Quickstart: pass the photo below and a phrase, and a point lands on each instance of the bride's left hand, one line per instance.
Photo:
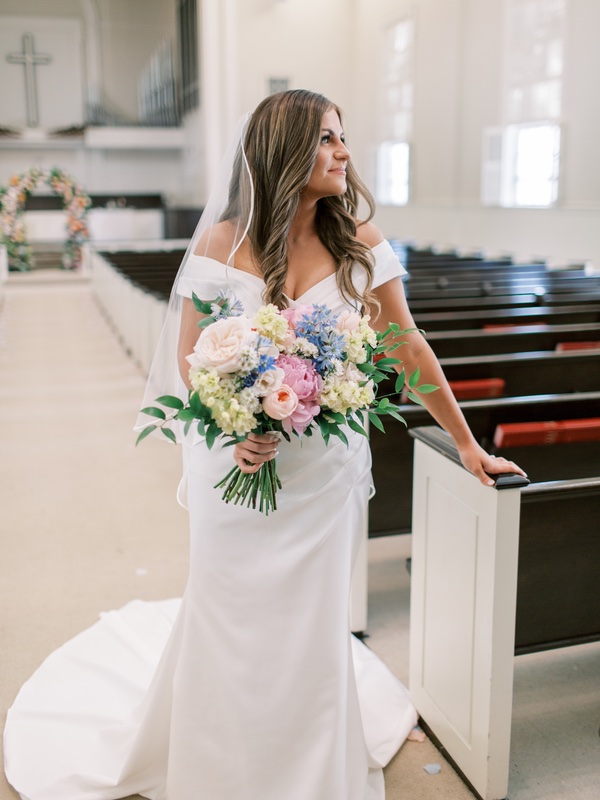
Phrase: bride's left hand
(476, 460)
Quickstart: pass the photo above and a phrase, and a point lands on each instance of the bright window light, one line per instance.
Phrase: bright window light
(393, 173)
(536, 164)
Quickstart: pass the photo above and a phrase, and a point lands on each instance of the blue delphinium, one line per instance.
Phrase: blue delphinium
(226, 305)
(318, 327)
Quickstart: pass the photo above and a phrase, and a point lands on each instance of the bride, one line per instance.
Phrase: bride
(259, 692)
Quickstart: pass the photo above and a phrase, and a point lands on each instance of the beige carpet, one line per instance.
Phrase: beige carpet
(88, 522)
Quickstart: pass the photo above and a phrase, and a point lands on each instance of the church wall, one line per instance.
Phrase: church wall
(458, 93)
(307, 41)
(124, 37)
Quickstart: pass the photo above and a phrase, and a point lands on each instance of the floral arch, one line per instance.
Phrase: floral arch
(12, 205)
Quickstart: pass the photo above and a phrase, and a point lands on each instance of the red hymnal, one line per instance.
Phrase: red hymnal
(477, 388)
(523, 434)
(562, 346)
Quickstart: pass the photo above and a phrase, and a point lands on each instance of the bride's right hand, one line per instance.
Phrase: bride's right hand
(252, 453)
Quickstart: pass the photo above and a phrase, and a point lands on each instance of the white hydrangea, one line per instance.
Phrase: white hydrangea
(343, 392)
(232, 417)
(355, 346)
(368, 334)
(269, 322)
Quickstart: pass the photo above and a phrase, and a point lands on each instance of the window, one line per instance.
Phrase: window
(535, 42)
(521, 160)
(535, 151)
(393, 173)
(521, 165)
(396, 117)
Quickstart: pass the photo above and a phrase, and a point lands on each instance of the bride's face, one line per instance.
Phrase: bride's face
(329, 172)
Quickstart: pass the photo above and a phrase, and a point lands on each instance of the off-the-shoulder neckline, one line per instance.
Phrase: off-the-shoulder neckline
(260, 280)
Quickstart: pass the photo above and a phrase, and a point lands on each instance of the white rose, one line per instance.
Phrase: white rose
(347, 321)
(220, 346)
(269, 381)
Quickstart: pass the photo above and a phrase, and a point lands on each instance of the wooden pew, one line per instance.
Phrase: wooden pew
(390, 510)
(494, 573)
(559, 547)
(478, 318)
(446, 344)
(535, 372)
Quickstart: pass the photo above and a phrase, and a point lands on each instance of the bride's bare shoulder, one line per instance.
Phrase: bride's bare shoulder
(368, 233)
(217, 241)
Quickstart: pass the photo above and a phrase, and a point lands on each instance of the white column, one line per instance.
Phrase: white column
(218, 81)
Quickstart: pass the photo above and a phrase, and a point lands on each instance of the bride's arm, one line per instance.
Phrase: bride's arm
(188, 336)
(441, 404)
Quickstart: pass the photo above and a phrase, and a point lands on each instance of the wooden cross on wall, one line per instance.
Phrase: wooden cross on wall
(30, 59)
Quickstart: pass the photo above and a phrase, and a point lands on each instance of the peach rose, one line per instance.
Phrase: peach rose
(220, 345)
(280, 404)
(347, 321)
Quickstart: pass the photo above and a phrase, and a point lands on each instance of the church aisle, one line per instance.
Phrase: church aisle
(88, 522)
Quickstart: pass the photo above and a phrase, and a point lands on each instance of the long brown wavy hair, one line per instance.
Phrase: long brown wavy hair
(281, 145)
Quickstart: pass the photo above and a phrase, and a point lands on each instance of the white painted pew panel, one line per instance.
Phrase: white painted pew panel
(463, 601)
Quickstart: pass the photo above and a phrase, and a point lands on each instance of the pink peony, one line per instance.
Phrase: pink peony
(293, 315)
(281, 403)
(303, 378)
(301, 417)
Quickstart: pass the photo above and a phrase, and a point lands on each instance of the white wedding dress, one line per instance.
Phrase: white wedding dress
(251, 687)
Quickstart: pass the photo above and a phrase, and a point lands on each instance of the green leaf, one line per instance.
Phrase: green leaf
(146, 432)
(196, 404)
(415, 398)
(201, 428)
(204, 323)
(366, 368)
(187, 426)
(414, 378)
(203, 306)
(186, 415)
(386, 362)
(383, 404)
(399, 385)
(341, 435)
(376, 421)
(427, 388)
(335, 416)
(397, 416)
(211, 433)
(169, 401)
(169, 434)
(154, 412)
(354, 425)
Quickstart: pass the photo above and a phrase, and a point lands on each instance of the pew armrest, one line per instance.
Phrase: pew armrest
(442, 442)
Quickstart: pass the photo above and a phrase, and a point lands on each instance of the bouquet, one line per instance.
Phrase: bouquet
(293, 371)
